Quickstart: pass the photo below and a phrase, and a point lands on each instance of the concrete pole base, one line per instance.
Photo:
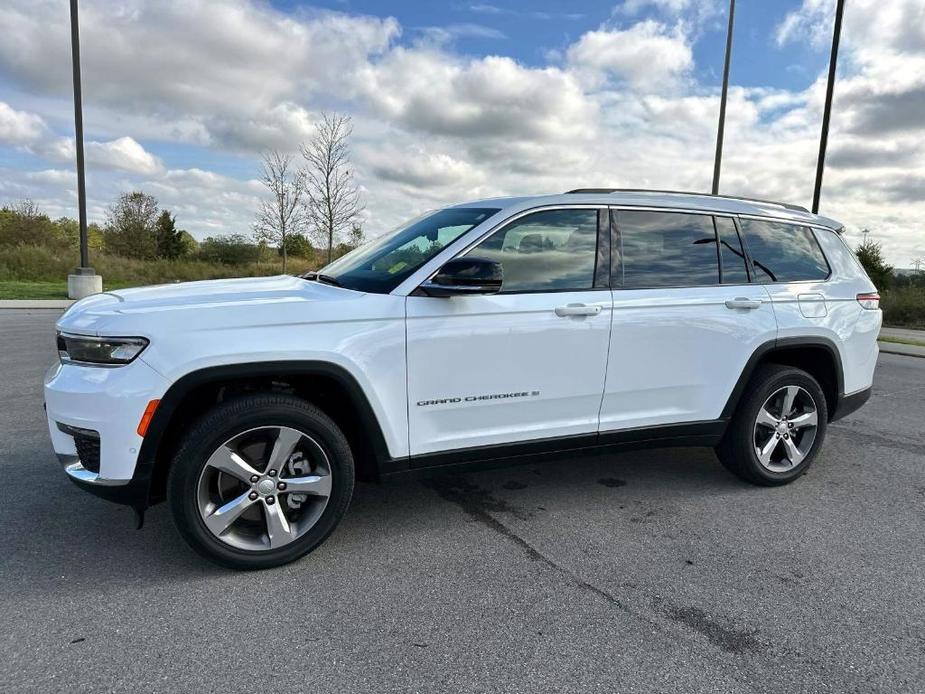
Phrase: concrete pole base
(83, 282)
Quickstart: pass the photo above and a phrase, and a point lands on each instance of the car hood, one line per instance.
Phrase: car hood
(148, 306)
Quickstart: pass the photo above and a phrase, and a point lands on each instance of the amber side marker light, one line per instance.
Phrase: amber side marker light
(147, 416)
(869, 301)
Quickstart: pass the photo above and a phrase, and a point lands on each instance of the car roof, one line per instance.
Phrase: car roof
(675, 200)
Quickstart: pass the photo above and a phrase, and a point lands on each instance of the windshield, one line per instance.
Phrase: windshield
(382, 264)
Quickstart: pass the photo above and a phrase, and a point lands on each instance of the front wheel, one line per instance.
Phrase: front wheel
(260, 481)
(777, 429)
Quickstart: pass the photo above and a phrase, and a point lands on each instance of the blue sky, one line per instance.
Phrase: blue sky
(459, 100)
(529, 31)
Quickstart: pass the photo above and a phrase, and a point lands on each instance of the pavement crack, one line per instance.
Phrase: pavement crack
(477, 503)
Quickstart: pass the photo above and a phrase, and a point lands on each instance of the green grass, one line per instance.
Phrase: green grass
(16, 289)
(901, 340)
(19, 289)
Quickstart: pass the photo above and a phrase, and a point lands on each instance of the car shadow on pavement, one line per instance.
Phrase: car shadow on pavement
(63, 536)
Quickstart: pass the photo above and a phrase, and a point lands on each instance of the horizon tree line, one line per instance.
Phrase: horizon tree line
(320, 198)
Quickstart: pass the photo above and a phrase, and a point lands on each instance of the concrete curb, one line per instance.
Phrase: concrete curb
(902, 350)
(35, 303)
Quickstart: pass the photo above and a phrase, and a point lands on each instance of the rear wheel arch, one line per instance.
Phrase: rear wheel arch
(328, 386)
(818, 356)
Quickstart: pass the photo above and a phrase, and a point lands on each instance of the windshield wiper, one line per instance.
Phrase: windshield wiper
(324, 279)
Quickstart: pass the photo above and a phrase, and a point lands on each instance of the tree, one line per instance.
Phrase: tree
(332, 197)
(190, 245)
(870, 254)
(283, 213)
(130, 226)
(356, 237)
(26, 208)
(168, 239)
(297, 245)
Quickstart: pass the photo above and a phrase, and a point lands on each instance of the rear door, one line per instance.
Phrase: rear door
(686, 318)
(527, 363)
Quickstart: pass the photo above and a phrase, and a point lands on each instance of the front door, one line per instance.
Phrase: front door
(527, 363)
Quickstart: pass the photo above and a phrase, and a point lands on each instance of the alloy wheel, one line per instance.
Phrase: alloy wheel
(264, 488)
(785, 429)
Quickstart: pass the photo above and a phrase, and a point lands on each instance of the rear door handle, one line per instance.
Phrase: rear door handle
(577, 310)
(743, 302)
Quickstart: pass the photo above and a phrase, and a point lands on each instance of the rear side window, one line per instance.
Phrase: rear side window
(732, 258)
(783, 252)
(667, 249)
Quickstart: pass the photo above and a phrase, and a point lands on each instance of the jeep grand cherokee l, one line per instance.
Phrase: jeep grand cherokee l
(487, 330)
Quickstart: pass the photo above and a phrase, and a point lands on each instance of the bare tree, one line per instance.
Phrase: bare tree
(332, 199)
(26, 207)
(283, 214)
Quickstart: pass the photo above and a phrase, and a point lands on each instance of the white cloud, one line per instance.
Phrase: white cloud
(19, 127)
(123, 154)
(648, 55)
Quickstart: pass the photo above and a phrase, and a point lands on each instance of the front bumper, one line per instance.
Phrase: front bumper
(109, 401)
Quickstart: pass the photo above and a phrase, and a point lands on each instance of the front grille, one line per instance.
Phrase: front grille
(87, 443)
(88, 450)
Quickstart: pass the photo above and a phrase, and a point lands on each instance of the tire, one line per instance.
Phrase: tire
(223, 470)
(787, 435)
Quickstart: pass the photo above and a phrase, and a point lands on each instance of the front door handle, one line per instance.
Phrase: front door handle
(743, 302)
(577, 310)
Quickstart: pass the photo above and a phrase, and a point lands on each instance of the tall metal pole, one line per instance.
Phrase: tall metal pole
(79, 138)
(717, 162)
(827, 113)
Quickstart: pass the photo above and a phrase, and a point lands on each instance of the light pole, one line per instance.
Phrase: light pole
(717, 162)
(84, 281)
(827, 113)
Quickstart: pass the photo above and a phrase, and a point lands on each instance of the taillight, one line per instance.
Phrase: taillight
(870, 301)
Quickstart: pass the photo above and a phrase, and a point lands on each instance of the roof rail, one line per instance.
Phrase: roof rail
(599, 191)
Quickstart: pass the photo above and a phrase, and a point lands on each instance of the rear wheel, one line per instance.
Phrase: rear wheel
(778, 428)
(260, 481)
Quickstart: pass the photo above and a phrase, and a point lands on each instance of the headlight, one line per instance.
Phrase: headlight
(104, 351)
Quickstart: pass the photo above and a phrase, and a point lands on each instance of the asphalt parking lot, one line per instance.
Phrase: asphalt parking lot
(644, 571)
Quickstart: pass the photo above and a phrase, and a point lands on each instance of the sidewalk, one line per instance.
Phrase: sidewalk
(898, 348)
(35, 303)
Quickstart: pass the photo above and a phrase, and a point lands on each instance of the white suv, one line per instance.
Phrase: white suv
(490, 330)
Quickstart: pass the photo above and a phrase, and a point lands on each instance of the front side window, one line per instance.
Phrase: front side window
(385, 262)
(783, 252)
(553, 250)
(667, 249)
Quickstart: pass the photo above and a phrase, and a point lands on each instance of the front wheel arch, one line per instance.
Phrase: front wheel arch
(329, 386)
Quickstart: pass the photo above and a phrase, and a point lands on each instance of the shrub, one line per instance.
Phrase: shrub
(904, 306)
(228, 250)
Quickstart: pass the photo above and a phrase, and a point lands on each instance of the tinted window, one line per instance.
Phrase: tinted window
(382, 264)
(667, 249)
(783, 252)
(732, 259)
(545, 251)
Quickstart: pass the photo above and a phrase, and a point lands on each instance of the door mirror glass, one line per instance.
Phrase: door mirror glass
(465, 276)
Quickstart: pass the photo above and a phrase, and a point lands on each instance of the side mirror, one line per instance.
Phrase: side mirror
(466, 275)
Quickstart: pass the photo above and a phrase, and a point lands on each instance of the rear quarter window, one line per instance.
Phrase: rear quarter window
(842, 259)
(782, 252)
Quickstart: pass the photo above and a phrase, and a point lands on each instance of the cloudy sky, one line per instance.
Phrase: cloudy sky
(456, 100)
